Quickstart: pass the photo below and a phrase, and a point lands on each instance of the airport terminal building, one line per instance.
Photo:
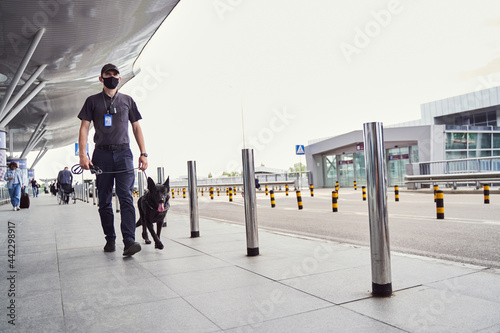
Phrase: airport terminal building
(465, 126)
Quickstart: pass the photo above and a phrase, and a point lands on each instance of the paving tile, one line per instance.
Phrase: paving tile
(331, 319)
(483, 284)
(182, 265)
(211, 280)
(425, 309)
(238, 307)
(340, 286)
(173, 315)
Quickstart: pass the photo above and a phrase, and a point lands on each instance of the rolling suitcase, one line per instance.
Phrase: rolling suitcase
(25, 201)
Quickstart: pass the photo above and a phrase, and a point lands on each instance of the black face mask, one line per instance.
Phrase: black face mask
(111, 82)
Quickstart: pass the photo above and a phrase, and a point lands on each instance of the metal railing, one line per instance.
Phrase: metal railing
(296, 178)
(4, 195)
(460, 166)
(467, 170)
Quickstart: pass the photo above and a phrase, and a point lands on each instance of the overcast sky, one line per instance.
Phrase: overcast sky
(297, 71)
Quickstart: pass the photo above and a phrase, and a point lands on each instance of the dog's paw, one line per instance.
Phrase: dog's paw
(159, 246)
(147, 241)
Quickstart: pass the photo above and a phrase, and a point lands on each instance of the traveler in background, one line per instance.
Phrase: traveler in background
(64, 181)
(15, 182)
(34, 186)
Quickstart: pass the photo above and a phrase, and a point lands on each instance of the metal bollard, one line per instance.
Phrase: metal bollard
(376, 180)
(436, 188)
(178, 191)
(335, 197)
(93, 191)
(227, 191)
(161, 175)
(286, 190)
(396, 193)
(230, 194)
(252, 231)
(184, 193)
(486, 194)
(267, 192)
(234, 191)
(337, 186)
(218, 191)
(311, 187)
(299, 199)
(211, 193)
(117, 203)
(173, 194)
(273, 201)
(355, 186)
(193, 200)
(440, 205)
(202, 191)
(363, 188)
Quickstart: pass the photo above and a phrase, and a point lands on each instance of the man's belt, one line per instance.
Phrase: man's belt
(114, 147)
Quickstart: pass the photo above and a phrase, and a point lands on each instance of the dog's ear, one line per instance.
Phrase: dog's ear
(167, 183)
(151, 185)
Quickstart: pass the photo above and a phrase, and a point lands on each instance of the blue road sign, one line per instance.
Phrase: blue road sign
(300, 150)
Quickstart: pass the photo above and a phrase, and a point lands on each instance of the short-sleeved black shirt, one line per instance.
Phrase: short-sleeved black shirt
(96, 107)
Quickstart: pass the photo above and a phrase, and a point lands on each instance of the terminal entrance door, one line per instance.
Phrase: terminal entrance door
(330, 164)
(346, 170)
(397, 160)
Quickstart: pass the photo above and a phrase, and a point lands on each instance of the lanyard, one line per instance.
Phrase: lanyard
(110, 105)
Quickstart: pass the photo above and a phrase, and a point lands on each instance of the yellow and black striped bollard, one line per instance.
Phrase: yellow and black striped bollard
(436, 188)
(299, 199)
(227, 191)
(211, 193)
(440, 205)
(335, 197)
(267, 192)
(337, 187)
(218, 191)
(234, 190)
(184, 193)
(173, 194)
(311, 187)
(230, 194)
(202, 191)
(363, 188)
(355, 186)
(486, 194)
(396, 193)
(286, 190)
(273, 201)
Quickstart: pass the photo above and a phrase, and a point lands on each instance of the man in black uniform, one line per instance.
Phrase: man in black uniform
(111, 112)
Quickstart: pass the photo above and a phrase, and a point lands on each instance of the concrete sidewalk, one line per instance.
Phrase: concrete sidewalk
(62, 281)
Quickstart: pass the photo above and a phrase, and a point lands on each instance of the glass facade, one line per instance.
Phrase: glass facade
(347, 168)
(472, 141)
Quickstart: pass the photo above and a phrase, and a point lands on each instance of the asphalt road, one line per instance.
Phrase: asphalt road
(470, 232)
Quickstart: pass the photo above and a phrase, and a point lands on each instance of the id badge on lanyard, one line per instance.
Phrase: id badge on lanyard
(108, 120)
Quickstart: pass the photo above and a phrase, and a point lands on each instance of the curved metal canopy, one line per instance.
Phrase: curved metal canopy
(51, 53)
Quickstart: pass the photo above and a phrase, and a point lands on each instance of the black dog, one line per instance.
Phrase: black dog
(153, 207)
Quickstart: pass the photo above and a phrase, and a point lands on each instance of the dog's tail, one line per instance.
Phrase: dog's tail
(139, 222)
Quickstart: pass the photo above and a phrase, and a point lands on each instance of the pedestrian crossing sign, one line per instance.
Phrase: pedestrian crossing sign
(300, 150)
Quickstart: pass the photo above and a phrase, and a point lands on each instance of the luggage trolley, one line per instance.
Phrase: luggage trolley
(65, 192)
